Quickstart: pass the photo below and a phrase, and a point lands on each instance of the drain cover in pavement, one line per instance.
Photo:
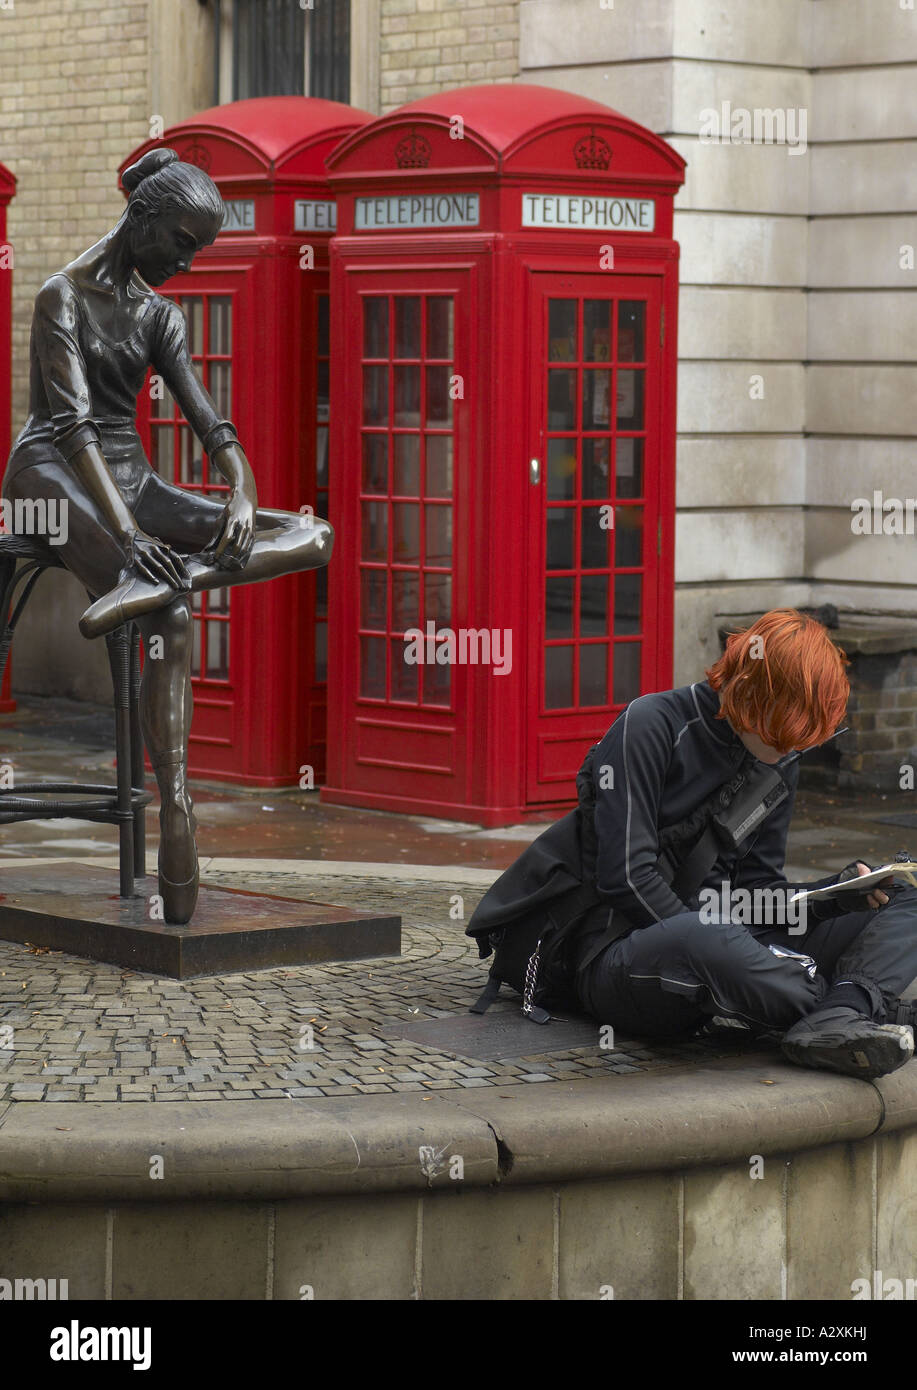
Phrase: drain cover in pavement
(495, 1035)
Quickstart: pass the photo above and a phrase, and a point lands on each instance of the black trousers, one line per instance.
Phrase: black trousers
(668, 978)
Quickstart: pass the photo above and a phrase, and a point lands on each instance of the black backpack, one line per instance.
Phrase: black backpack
(545, 920)
(545, 910)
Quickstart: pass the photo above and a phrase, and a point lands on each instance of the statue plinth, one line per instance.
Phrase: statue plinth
(77, 908)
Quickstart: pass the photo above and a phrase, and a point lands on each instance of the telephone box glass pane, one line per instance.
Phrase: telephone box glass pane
(221, 325)
(593, 674)
(439, 465)
(628, 536)
(630, 400)
(558, 606)
(437, 597)
(375, 327)
(321, 592)
(628, 590)
(162, 406)
(193, 307)
(407, 396)
(191, 463)
(629, 467)
(323, 336)
(321, 457)
(221, 387)
(626, 663)
(407, 326)
(560, 538)
(321, 391)
(372, 668)
(162, 451)
(375, 395)
(596, 397)
(593, 608)
(561, 468)
(375, 531)
(631, 330)
(439, 534)
(597, 330)
(405, 599)
(439, 404)
(404, 674)
(372, 598)
(406, 481)
(562, 330)
(561, 400)
(406, 532)
(375, 463)
(594, 538)
(218, 651)
(596, 474)
(558, 677)
(437, 684)
(439, 327)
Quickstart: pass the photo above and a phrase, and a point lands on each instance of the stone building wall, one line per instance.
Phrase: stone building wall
(791, 284)
(79, 85)
(794, 273)
(431, 45)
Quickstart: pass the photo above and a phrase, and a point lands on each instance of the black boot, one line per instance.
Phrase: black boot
(840, 1039)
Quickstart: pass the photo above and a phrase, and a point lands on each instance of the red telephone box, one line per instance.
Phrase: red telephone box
(256, 302)
(7, 190)
(504, 283)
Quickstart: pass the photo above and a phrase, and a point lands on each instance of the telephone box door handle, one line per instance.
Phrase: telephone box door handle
(535, 471)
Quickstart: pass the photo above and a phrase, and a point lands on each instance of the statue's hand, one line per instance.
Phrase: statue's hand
(231, 546)
(154, 560)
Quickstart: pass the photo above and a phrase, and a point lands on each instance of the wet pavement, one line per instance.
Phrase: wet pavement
(74, 1029)
(66, 740)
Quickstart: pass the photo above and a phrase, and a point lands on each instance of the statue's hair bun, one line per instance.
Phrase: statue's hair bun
(150, 163)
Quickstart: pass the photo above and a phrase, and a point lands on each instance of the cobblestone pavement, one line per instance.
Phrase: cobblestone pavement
(81, 1030)
(71, 1028)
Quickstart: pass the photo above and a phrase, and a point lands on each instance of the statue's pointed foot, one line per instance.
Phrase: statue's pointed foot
(131, 598)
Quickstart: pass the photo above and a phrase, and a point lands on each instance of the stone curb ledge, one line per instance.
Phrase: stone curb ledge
(549, 1132)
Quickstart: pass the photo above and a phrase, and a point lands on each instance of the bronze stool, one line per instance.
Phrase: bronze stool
(122, 805)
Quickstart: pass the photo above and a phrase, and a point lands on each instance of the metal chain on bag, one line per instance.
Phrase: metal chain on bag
(531, 978)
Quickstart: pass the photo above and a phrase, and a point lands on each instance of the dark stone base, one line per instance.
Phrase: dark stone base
(502, 1033)
(77, 908)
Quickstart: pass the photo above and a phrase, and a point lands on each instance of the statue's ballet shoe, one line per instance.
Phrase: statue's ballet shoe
(132, 598)
(176, 848)
(178, 899)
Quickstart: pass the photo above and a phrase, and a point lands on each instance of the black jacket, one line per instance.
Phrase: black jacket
(664, 755)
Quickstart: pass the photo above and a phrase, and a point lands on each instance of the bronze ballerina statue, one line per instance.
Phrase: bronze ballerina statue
(132, 538)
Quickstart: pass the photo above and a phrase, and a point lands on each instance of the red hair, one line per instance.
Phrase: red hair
(782, 679)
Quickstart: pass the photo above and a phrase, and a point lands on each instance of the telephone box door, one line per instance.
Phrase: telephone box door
(396, 520)
(214, 303)
(596, 495)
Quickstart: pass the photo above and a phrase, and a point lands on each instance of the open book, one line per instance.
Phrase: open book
(906, 869)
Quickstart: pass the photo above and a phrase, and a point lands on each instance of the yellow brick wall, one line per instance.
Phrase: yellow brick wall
(80, 81)
(76, 96)
(432, 45)
(74, 100)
